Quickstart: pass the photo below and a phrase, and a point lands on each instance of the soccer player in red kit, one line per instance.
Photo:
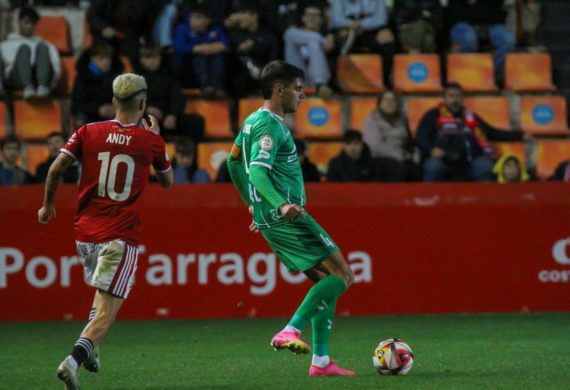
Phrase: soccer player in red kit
(116, 156)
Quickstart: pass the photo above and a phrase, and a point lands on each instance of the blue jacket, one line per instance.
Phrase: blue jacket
(185, 39)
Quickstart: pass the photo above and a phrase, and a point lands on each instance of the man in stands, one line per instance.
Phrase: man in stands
(454, 141)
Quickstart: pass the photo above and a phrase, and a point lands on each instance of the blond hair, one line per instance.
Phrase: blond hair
(128, 85)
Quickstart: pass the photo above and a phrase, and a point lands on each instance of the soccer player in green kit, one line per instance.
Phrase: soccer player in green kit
(264, 167)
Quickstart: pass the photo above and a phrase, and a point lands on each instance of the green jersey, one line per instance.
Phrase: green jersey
(265, 141)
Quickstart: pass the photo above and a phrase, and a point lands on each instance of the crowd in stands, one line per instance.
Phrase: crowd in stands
(217, 50)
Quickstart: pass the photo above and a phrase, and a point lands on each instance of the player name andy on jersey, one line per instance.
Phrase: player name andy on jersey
(116, 138)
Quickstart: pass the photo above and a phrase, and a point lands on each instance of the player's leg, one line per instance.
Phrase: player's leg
(322, 323)
(107, 309)
(93, 363)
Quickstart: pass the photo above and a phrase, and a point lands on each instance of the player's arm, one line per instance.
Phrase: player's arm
(259, 178)
(55, 173)
(236, 169)
(165, 179)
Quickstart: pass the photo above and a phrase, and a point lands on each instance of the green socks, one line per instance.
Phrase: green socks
(322, 328)
(320, 301)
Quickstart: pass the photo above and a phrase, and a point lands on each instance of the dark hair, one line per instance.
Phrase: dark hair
(311, 4)
(396, 95)
(278, 71)
(351, 135)
(10, 139)
(250, 6)
(184, 145)
(29, 13)
(202, 8)
(56, 134)
(301, 146)
(452, 85)
(101, 49)
(149, 51)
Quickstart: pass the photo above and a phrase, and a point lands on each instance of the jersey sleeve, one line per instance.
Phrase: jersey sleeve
(161, 160)
(74, 146)
(265, 142)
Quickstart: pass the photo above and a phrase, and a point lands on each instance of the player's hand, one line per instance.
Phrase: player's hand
(252, 226)
(437, 152)
(291, 211)
(45, 214)
(153, 127)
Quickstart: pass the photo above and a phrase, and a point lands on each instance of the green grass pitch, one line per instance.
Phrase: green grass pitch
(514, 351)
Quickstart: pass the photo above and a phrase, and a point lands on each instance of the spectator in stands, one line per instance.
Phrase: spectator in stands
(27, 61)
(254, 47)
(165, 99)
(92, 92)
(418, 24)
(10, 172)
(363, 24)
(509, 169)
(124, 24)
(201, 45)
(307, 48)
(476, 21)
(562, 172)
(354, 162)
(55, 142)
(185, 165)
(455, 141)
(310, 171)
(387, 135)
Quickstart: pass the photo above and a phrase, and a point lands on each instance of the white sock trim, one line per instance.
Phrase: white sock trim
(72, 362)
(290, 328)
(321, 361)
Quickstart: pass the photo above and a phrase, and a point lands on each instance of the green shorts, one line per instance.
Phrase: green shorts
(300, 244)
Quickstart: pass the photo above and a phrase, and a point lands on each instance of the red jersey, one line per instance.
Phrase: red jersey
(116, 161)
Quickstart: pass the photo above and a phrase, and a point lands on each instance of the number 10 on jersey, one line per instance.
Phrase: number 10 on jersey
(108, 175)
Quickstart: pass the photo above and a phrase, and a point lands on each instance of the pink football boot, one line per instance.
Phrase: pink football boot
(291, 341)
(331, 369)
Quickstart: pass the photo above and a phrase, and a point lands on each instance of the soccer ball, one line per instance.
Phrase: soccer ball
(393, 357)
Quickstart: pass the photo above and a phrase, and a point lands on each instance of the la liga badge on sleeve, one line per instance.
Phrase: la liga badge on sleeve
(266, 142)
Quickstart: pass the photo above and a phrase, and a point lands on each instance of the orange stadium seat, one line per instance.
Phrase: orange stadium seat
(216, 114)
(360, 73)
(318, 118)
(417, 73)
(87, 38)
(247, 106)
(360, 108)
(550, 153)
(416, 108)
(528, 72)
(516, 148)
(128, 67)
(211, 155)
(493, 109)
(473, 71)
(34, 120)
(3, 120)
(55, 30)
(68, 73)
(320, 153)
(544, 115)
(35, 154)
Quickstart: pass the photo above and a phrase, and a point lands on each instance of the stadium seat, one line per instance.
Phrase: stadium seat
(543, 115)
(55, 30)
(211, 155)
(320, 153)
(87, 38)
(493, 109)
(360, 108)
(35, 119)
(35, 154)
(473, 71)
(516, 148)
(3, 120)
(246, 106)
(528, 72)
(550, 153)
(68, 73)
(216, 114)
(417, 73)
(416, 108)
(360, 73)
(318, 118)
